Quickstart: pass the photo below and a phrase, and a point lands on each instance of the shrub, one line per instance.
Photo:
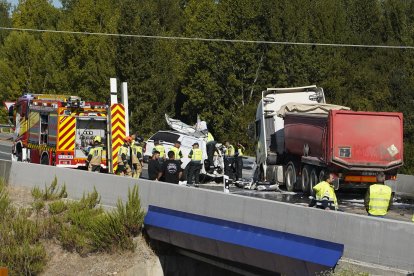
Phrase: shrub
(57, 207)
(50, 192)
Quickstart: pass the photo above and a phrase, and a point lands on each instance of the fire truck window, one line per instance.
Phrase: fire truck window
(44, 119)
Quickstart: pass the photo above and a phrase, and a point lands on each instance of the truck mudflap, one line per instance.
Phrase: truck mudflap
(267, 249)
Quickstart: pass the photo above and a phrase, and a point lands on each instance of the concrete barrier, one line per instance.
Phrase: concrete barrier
(404, 186)
(366, 239)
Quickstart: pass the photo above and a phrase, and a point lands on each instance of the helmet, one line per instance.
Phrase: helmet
(127, 139)
(97, 139)
(139, 139)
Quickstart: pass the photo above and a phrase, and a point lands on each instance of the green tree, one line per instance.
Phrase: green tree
(5, 20)
(151, 67)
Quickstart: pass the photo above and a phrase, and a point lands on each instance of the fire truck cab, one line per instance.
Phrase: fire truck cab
(58, 130)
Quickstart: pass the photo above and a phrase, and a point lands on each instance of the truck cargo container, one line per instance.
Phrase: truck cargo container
(316, 137)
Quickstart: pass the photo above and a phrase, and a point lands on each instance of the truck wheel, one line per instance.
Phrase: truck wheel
(305, 179)
(290, 177)
(44, 160)
(313, 180)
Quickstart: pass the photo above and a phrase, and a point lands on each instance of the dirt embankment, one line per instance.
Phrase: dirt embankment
(143, 261)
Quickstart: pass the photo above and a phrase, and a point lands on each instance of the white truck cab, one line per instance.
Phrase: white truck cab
(269, 127)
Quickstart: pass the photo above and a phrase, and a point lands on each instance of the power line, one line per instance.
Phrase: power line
(214, 39)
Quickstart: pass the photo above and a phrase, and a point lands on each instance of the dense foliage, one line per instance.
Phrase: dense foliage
(220, 81)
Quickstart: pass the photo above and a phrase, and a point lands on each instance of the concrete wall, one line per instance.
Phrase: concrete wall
(404, 186)
(366, 239)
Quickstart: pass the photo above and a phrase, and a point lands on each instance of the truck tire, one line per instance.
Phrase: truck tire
(290, 177)
(306, 179)
(44, 160)
(313, 180)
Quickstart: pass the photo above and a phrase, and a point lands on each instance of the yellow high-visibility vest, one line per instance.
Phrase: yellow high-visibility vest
(177, 152)
(230, 151)
(123, 150)
(161, 149)
(240, 152)
(325, 190)
(210, 137)
(96, 154)
(379, 199)
(196, 155)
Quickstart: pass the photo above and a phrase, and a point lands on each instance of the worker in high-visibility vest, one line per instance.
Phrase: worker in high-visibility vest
(124, 158)
(378, 198)
(325, 193)
(95, 155)
(176, 149)
(136, 157)
(195, 165)
(230, 151)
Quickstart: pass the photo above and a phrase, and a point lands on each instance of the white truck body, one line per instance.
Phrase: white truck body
(268, 123)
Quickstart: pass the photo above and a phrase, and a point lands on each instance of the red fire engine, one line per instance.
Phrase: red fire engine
(58, 130)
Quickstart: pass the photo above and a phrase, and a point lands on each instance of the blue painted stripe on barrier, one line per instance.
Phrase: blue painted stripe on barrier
(294, 246)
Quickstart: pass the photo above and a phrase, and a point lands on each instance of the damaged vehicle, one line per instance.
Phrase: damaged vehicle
(213, 162)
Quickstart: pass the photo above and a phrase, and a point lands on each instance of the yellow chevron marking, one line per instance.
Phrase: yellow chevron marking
(66, 145)
(69, 126)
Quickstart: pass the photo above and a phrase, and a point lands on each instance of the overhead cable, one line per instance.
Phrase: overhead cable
(212, 39)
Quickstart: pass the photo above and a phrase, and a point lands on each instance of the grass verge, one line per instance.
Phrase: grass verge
(82, 226)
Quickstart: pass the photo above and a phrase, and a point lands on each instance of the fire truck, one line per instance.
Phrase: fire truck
(58, 130)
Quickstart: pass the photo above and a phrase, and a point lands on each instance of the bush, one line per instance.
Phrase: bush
(57, 207)
(51, 192)
(82, 226)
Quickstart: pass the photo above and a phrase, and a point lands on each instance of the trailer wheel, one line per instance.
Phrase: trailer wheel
(290, 177)
(44, 160)
(305, 179)
(313, 180)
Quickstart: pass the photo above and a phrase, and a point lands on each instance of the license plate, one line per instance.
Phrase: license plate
(65, 156)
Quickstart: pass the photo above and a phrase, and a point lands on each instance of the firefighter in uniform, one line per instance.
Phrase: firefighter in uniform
(136, 157)
(325, 194)
(195, 165)
(124, 167)
(378, 198)
(177, 152)
(95, 155)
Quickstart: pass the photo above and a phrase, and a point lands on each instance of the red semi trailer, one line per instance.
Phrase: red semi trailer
(354, 145)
